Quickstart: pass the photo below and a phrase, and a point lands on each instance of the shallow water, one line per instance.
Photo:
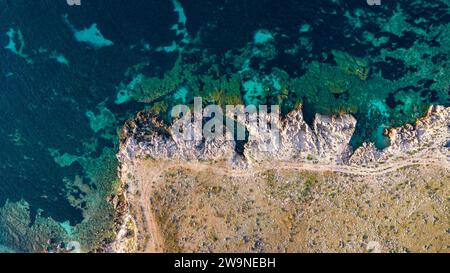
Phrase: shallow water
(63, 68)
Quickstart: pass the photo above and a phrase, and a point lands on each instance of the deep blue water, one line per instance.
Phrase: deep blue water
(44, 102)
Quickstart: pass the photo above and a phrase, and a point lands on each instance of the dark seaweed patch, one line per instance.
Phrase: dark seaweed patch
(344, 96)
(435, 12)
(439, 58)
(429, 95)
(393, 69)
(392, 102)
(426, 83)
(409, 88)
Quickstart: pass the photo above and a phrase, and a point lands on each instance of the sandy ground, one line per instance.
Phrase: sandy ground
(290, 207)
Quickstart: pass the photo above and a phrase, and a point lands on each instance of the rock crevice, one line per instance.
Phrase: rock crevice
(293, 140)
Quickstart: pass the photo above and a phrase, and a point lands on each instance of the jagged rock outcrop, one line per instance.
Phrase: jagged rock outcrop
(148, 137)
(294, 140)
(290, 143)
(290, 139)
(429, 136)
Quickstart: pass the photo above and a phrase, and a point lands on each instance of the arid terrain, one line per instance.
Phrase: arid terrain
(207, 207)
(181, 198)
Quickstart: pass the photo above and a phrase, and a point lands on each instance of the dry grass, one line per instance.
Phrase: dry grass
(204, 210)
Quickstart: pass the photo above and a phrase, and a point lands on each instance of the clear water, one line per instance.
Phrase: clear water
(71, 75)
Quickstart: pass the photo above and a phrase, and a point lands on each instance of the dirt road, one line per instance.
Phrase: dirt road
(154, 172)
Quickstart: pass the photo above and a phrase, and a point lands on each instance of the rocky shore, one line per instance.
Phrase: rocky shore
(326, 143)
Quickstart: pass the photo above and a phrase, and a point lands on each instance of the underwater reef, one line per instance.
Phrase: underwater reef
(73, 78)
(387, 74)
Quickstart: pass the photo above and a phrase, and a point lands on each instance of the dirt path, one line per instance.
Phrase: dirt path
(155, 242)
(382, 169)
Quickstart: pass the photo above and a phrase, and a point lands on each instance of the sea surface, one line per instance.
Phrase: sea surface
(70, 75)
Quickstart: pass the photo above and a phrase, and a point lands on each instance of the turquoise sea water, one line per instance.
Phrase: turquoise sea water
(71, 75)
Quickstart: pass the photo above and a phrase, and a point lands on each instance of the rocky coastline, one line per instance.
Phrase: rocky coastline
(326, 142)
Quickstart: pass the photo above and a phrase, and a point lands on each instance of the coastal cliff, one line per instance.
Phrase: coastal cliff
(328, 141)
(149, 150)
